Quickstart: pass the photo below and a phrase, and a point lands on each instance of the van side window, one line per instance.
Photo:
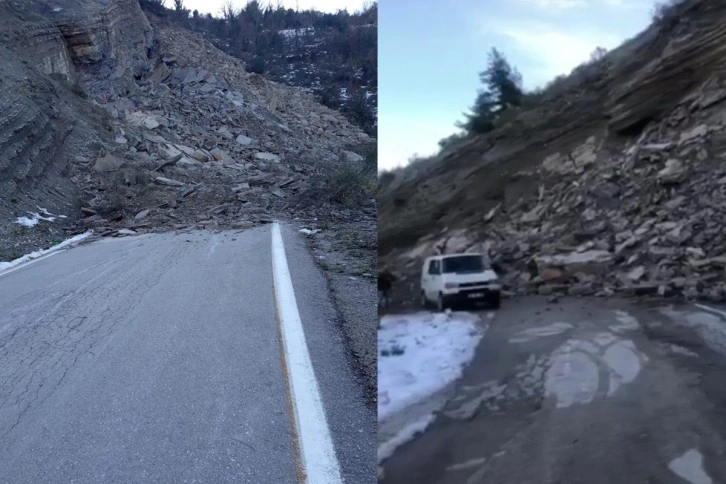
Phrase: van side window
(434, 267)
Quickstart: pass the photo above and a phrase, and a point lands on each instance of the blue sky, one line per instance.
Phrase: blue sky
(431, 51)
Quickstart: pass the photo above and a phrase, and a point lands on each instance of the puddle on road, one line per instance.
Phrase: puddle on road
(577, 366)
(624, 359)
(626, 322)
(578, 371)
(573, 377)
(689, 466)
(540, 332)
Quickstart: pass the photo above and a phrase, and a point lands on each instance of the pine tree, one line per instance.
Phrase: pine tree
(502, 91)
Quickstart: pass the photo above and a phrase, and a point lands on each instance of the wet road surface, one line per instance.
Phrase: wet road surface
(582, 391)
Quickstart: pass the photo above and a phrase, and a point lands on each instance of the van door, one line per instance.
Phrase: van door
(432, 279)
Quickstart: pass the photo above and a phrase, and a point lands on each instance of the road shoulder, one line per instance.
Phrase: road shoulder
(351, 421)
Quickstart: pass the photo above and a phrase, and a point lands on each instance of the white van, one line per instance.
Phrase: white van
(455, 279)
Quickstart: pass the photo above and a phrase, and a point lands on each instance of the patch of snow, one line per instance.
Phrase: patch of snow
(293, 32)
(407, 433)
(689, 466)
(419, 356)
(626, 322)
(573, 376)
(36, 217)
(682, 351)
(710, 325)
(309, 231)
(40, 253)
(26, 222)
(468, 464)
(344, 96)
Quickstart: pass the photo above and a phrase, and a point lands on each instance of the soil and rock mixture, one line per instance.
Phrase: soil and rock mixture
(344, 245)
(612, 182)
(123, 123)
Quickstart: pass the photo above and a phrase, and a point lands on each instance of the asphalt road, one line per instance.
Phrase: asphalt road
(157, 358)
(589, 391)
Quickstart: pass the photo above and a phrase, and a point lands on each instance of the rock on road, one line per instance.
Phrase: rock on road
(157, 358)
(589, 391)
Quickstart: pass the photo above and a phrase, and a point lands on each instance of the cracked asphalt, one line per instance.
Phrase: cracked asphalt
(589, 391)
(157, 359)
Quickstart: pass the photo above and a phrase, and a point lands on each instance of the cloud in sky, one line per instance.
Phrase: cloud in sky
(547, 38)
(551, 51)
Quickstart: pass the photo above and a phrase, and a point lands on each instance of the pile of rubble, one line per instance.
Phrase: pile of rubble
(613, 185)
(201, 143)
(168, 133)
(644, 219)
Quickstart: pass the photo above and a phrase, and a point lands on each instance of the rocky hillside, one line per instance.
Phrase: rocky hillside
(117, 122)
(611, 182)
(332, 56)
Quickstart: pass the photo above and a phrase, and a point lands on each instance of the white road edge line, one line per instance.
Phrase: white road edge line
(28, 262)
(316, 445)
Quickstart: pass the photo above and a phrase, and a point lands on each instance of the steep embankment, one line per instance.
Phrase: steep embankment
(110, 123)
(612, 181)
(46, 128)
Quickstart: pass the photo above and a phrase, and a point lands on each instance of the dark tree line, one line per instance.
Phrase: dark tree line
(273, 40)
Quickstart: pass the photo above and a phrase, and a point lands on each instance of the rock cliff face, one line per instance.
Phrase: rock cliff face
(112, 122)
(102, 36)
(45, 126)
(672, 61)
(611, 183)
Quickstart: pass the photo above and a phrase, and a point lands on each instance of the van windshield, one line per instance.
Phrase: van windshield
(464, 264)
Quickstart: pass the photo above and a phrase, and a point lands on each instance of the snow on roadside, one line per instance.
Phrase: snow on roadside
(35, 217)
(420, 355)
(40, 253)
(405, 434)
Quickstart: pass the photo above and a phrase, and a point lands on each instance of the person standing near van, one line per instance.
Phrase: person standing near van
(385, 281)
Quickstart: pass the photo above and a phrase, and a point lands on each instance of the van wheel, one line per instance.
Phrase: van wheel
(496, 300)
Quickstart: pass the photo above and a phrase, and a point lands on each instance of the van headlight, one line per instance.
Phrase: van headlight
(450, 285)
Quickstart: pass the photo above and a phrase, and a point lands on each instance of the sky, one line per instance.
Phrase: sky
(431, 51)
(330, 6)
